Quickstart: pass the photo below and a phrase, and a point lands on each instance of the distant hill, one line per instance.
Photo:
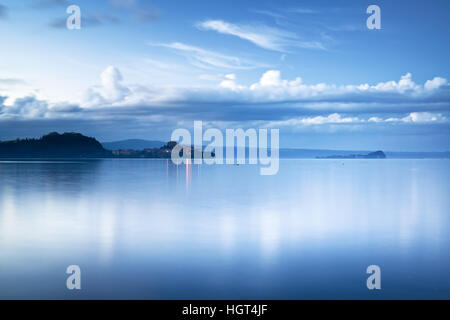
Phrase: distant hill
(134, 144)
(54, 145)
(76, 145)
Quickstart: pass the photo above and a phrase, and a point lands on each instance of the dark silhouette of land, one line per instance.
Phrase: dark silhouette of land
(76, 145)
(54, 145)
(372, 155)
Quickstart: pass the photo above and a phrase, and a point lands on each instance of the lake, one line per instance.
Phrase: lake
(148, 229)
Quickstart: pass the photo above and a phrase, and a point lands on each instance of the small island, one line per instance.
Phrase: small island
(372, 155)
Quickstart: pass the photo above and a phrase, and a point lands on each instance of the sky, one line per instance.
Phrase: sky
(312, 69)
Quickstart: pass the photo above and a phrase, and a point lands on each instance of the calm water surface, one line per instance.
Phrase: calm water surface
(147, 229)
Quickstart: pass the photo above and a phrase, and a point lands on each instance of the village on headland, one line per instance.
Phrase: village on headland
(74, 145)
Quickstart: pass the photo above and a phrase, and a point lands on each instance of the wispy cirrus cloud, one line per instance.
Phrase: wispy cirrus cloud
(95, 20)
(45, 4)
(138, 11)
(141, 11)
(266, 37)
(11, 81)
(302, 10)
(269, 13)
(208, 59)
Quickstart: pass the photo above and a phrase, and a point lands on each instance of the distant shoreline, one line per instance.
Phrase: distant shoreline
(55, 146)
(78, 160)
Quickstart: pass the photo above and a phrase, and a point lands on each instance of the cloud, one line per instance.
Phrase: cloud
(302, 10)
(88, 21)
(207, 59)
(420, 117)
(403, 85)
(272, 14)
(271, 101)
(11, 81)
(3, 12)
(111, 90)
(230, 76)
(112, 84)
(124, 3)
(333, 118)
(263, 36)
(45, 4)
(30, 107)
(141, 12)
(272, 88)
(436, 83)
(336, 118)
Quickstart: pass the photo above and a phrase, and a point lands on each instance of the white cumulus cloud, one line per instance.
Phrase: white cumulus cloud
(272, 87)
(436, 83)
(111, 90)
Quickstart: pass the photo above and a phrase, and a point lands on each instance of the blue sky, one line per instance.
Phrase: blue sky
(140, 69)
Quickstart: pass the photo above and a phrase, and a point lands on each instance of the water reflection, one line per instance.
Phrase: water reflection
(152, 229)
